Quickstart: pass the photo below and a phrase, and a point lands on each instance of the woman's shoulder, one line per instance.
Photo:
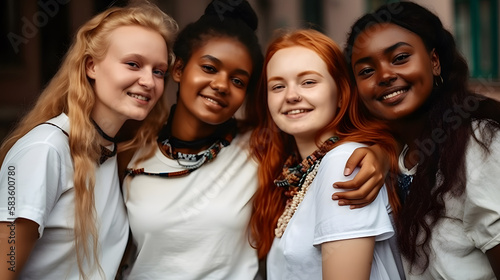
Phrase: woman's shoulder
(333, 163)
(242, 140)
(345, 148)
(53, 134)
(485, 134)
(482, 155)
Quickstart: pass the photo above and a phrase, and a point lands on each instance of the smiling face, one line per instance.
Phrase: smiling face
(213, 83)
(129, 80)
(302, 95)
(394, 71)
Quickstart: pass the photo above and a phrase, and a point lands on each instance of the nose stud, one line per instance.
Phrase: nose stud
(296, 98)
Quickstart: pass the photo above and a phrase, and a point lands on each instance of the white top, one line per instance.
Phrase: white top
(44, 194)
(319, 219)
(401, 163)
(460, 241)
(195, 226)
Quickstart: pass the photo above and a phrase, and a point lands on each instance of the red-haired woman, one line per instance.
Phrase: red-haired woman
(306, 133)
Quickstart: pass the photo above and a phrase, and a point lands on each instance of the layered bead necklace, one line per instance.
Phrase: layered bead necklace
(191, 162)
(296, 179)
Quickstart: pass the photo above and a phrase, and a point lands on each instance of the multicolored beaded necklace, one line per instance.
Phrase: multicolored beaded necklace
(296, 180)
(191, 162)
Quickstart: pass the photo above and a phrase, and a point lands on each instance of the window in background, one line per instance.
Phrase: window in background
(476, 25)
(313, 13)
(11, 39)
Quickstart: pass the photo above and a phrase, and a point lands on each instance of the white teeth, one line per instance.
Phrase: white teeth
(393, 94)
(293, 112)
(140, 97)
(211, 100)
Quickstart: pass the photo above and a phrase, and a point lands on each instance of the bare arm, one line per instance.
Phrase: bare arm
(374, 165)
(349, 259)
(16, 242)
(494, 258)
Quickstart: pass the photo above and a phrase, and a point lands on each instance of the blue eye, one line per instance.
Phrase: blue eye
(160, 73)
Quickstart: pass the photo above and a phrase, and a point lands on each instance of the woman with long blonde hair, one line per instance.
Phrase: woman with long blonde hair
(62, 212)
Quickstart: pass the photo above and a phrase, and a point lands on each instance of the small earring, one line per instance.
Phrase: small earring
(438, 81)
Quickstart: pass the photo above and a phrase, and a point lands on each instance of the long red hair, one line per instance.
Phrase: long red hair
(271, 147)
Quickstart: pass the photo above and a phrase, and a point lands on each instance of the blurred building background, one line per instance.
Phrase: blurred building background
(35, 34)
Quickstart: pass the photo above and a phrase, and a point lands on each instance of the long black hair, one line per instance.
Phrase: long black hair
(441, 170)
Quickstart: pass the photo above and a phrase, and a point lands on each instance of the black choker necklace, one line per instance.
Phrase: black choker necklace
(191, 162)
(195, 144)
(102, 133)
(176, 143)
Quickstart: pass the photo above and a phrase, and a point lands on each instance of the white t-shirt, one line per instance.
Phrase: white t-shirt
(195, 226)
(44, 194)
(472, 226)
(319, 219)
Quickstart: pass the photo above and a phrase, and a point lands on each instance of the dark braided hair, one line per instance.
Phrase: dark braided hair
(224, 18)
(425, 204)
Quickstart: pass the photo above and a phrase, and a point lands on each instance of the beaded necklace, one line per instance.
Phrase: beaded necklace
(296, 180)
(198, 160)
(191, 162)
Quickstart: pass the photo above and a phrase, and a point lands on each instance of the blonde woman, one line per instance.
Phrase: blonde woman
(61, 213)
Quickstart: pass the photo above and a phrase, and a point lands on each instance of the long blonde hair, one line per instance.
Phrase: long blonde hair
(71, 92)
